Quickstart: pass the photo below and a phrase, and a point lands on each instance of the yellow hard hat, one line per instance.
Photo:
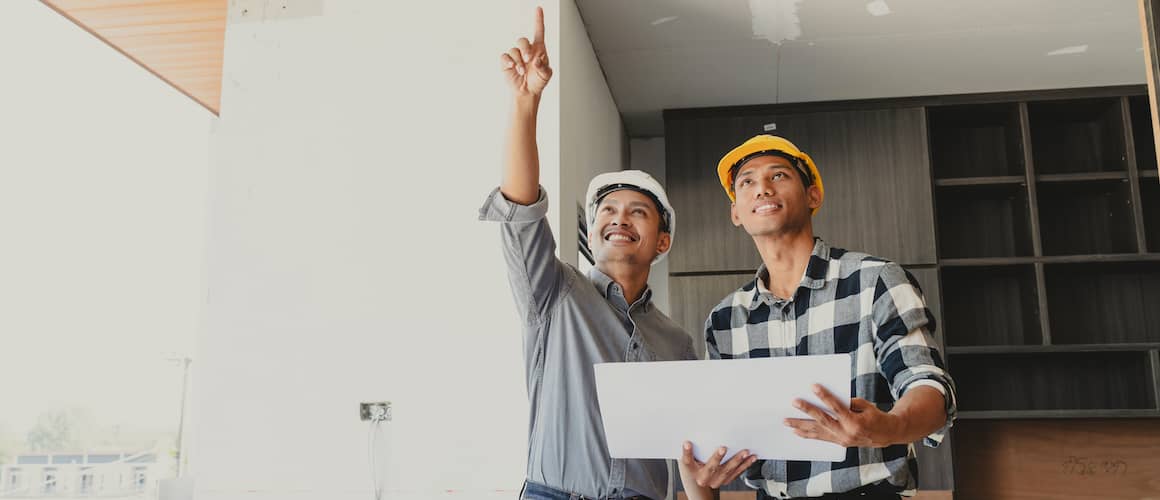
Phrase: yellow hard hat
(764, 144)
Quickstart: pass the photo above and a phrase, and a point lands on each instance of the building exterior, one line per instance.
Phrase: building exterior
(83, 474)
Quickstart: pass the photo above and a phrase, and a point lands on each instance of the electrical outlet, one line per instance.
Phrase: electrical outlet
(377, 411)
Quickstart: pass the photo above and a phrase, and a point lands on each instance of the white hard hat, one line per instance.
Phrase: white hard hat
(638, 181)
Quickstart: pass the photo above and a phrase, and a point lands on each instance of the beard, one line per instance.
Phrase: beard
(612, 255)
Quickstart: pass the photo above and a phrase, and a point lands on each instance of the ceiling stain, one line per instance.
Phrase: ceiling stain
(878, 8)
(776, 20)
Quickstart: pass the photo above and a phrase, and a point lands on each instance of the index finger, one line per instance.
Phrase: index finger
(737, 459)
(715, 459)
(539, 33)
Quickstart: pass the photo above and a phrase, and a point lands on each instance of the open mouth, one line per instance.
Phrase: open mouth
(617, 236)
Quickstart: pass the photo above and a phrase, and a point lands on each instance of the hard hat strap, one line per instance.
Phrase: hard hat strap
(798, 163)
(605, 190)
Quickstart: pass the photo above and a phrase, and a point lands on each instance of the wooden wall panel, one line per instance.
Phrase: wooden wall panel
(693, 298)
(874, 164)
(180, 41)
(1051, 459)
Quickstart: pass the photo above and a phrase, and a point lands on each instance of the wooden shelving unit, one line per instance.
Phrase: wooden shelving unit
(1048, 224)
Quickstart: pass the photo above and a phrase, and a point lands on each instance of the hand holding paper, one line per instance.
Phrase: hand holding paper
(857, 425)
(713, 474)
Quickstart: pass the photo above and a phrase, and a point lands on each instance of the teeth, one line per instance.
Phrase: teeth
(618, 237)
(767, 208)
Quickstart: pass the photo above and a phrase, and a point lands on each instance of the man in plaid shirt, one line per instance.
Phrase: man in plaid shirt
(809, 298)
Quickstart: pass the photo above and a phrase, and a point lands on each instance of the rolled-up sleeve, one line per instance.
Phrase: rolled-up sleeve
(535, 273)
(907, 353)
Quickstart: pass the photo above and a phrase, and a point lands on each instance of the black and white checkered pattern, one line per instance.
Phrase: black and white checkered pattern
(847, 303)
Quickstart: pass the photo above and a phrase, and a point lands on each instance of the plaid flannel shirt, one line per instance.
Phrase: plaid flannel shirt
(852, 303)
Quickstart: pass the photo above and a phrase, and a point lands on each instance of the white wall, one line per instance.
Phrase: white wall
(592, 139)
(345, 263)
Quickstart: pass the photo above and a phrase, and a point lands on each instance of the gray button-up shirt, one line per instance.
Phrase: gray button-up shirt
(571, 322)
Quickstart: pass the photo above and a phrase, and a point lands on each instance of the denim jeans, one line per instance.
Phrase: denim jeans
(535, 491)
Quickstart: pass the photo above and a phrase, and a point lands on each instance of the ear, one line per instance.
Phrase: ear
(733, 215)
(815, 196)
(664, 242)
(592, 235)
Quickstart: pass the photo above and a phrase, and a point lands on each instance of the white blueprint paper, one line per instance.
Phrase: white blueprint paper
(649, 409)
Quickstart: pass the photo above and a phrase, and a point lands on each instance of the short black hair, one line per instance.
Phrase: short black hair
(807, 179)
(606, 190)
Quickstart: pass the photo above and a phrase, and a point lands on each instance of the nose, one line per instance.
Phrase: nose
(765, 187)
(619, 219)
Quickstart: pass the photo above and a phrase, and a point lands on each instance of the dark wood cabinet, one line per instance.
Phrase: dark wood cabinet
(1050, 272)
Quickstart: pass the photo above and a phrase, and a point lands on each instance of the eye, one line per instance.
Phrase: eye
(779, 176)
(606, 209)
(746, 182)
(638, 211)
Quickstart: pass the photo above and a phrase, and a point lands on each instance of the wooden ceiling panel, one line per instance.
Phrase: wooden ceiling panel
(180, 41)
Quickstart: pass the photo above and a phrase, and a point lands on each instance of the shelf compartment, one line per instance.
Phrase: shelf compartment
(1077, 135)
(1053, 259)
(991, 306)
(983, 221)
(1055, 414)
(975, 141)
(981, 181)
(1108, 303)
(1150, 203)
(1109, 380)
(1086, 217)
(1142, 133)
(1032, 349)
(1086, 176)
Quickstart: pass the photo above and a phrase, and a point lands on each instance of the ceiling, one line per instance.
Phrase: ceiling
(670, 54)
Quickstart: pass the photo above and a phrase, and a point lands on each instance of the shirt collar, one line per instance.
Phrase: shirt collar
(604, 284)
(814, 277)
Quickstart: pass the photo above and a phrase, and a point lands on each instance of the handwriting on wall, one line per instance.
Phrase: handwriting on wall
(1085, 466)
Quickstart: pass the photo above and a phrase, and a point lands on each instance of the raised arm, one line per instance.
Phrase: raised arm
(527, 70)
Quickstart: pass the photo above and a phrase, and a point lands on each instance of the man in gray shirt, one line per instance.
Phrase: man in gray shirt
(572, 321)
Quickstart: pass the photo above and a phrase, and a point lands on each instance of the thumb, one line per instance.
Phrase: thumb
(544, 72)
(540, 60)
(859, 405)
(687, 453)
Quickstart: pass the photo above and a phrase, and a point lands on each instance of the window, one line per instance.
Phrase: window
(584, 258)
(139, 478)
(49, 481)
(86, 482)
